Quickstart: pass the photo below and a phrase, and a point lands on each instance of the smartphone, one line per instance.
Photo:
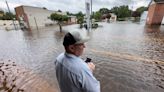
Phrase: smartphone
(88, 60)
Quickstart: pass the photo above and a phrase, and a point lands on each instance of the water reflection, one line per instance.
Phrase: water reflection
(152, 28)
(128, 57)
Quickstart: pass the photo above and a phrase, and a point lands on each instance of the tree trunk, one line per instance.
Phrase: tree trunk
(60, 27)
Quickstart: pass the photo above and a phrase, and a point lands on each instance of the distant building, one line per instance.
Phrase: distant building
(33, 17)
(72, 20)
(143, 16)
(113, 17)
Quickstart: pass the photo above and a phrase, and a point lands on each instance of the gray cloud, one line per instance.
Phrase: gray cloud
(73, 5)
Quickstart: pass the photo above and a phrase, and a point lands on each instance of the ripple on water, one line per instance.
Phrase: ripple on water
(128, 73)
(14, 78)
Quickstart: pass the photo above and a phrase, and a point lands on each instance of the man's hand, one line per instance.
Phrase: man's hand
(91, 66)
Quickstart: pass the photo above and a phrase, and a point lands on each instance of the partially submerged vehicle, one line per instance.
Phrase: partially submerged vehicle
(94, 25)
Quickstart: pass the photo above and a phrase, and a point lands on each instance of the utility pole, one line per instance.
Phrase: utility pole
(88, 5)
(10, 13)
(91, 14)
(88, 14)
(36, 23)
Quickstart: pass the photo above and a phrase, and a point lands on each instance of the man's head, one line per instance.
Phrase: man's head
(74, 43)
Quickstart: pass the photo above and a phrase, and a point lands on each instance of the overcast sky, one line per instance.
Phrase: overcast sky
(73, 6)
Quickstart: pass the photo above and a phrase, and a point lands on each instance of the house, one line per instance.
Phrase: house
(113, 17)
(34, 17)
(72, 20)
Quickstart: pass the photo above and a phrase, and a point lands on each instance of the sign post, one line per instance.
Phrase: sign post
(88, 12)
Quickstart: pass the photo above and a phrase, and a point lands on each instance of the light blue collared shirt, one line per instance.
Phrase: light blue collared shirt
(74, 75)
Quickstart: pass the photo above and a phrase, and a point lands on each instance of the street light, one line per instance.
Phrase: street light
(10, 13)
(91, 14)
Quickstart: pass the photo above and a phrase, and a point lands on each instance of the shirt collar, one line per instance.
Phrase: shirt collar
(70, 55)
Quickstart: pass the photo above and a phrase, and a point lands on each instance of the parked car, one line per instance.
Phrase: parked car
(94, 25)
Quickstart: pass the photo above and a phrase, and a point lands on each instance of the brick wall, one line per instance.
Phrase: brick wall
(155, 14)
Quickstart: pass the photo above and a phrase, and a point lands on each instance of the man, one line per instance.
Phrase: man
(73, 74)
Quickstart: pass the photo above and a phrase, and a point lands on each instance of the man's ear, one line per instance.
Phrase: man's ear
(71, 47)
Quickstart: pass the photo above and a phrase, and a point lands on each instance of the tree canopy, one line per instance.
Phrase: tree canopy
(97, 15)
(8, 16)
(104, 11)
(58, 17)
(140, 10)
(122, 11)
(80, 17)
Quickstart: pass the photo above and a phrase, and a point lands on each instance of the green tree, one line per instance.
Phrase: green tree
(79, 14)
(115, 10)
(1, 14)
(80, 17)
(104, 11)
(69, 14)
(80, 20)
(122, 11)
(140, 10)
(59, 18)
(8, 16)
(97, 15)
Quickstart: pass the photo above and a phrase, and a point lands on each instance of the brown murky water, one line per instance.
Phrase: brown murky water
(129, 57)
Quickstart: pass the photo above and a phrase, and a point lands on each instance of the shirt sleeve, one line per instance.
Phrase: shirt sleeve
(89, 82)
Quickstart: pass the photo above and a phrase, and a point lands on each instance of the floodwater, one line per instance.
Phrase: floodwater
(129, 57)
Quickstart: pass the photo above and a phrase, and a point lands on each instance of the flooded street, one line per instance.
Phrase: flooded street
(129, 57)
